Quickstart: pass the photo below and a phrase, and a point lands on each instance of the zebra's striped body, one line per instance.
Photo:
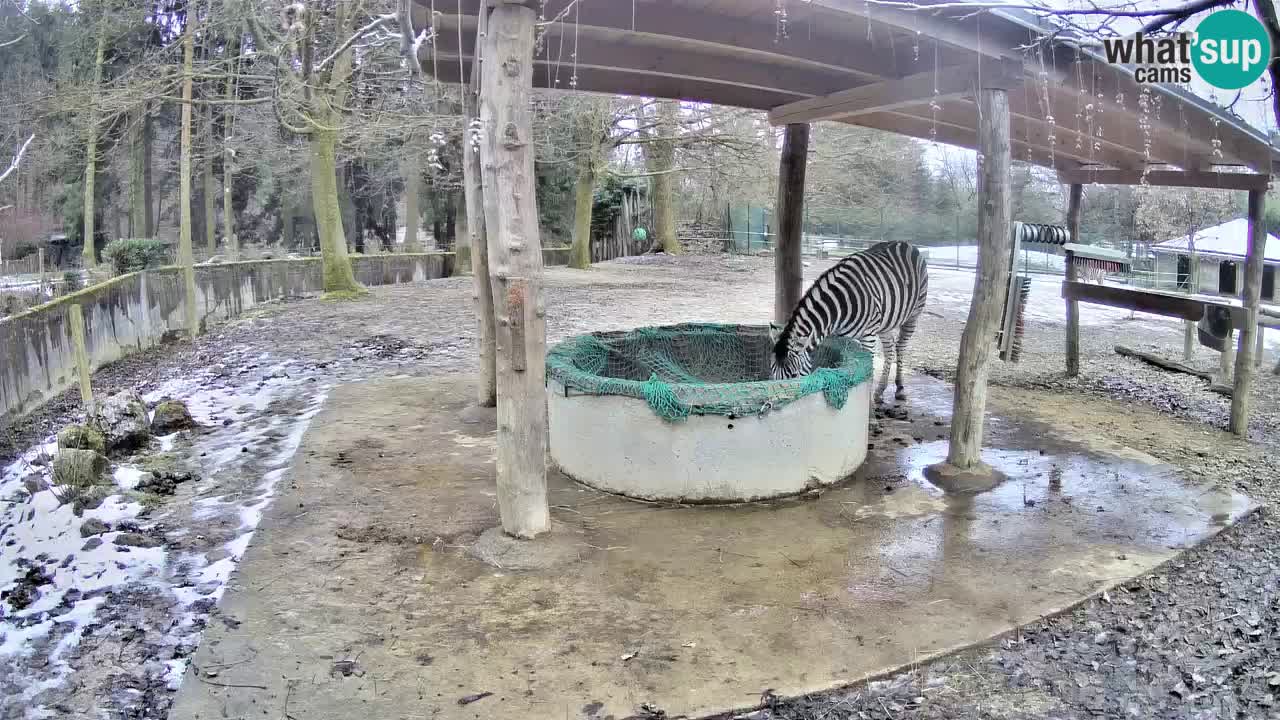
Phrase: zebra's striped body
(875, 293)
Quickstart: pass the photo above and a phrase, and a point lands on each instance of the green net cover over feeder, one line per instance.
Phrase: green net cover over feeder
(688, 413)
(701, 369)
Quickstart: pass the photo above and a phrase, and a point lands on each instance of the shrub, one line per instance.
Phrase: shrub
(128, 255)
(71, 282)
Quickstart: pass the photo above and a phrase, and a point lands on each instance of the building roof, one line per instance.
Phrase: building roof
(905, 71)
(1094, 252)
(1230, 239)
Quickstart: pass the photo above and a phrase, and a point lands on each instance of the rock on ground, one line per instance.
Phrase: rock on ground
(122, 419)
(80, 468)
(93, 526)
(81, 437)
(170, 416)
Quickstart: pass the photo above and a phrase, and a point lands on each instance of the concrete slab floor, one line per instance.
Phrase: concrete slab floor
(359, 598)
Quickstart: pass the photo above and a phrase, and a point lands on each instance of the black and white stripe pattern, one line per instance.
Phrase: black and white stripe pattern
(874, 293)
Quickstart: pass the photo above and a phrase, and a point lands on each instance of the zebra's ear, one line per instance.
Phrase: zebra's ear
(775, 332)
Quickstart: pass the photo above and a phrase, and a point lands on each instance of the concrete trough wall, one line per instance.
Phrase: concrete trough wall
(617, 444)
(134, 312)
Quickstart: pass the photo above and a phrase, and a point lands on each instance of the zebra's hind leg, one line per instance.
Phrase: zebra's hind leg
(904, 336)
(888, 347)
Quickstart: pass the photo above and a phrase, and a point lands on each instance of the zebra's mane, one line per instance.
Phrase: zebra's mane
(782, 346)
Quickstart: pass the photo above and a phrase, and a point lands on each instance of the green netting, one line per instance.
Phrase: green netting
(701, 369)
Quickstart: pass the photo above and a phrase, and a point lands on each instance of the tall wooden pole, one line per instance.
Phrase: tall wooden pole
(1252, 296)
(1075, 200)
(487, 385)
(788, 269)
(995, 242)
(515, 258)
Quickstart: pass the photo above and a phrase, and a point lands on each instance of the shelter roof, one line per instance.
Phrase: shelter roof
(907, 72)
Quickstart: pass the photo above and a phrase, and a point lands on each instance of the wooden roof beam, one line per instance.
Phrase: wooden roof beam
(937, 28)
(699, 29)
(1035, 136)
(959, 136)
(1179, 121)
(629, 55)
(613, 81)
(919, 89)
(1167, 178)
(1114, 136)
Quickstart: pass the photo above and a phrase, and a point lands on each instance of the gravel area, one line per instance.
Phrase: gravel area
(1195, 640)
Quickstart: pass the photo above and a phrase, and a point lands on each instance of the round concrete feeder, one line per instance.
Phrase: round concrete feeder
(619, 444)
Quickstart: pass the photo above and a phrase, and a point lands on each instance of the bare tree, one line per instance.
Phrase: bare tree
(17, 158)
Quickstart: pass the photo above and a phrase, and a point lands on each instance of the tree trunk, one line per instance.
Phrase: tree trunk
(150, 206)
(437, 219)
(228, 159)
(412, 173)
(1251, 296)
(90, 257)
(473, 177)
(451, 219)
(207, 184)
(788, 277)
(584, 190)
(138, 214)
(511, 217)
(989, 286)
(662, 158)
(338, 276)
(185, 256)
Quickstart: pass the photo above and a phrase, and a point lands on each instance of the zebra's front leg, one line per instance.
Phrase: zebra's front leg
(887, 346)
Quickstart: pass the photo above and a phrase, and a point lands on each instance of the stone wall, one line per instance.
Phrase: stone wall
(133, 312)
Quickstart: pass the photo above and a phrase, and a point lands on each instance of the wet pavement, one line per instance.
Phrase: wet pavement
(378, 599)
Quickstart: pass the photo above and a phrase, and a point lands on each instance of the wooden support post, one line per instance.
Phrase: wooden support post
(995, 243)
(788, 268)
(486, 385)
(40, 270)
(515, 262)
(1075, 199)
(75, 317)
(1260, 348)
(1251, 296)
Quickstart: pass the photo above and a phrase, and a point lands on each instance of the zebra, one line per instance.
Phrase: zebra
(871, 293)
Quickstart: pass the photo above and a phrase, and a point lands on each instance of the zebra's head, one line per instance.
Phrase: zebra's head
(791, 356)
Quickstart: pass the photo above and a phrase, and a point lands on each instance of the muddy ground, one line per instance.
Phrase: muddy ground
(1183, 643)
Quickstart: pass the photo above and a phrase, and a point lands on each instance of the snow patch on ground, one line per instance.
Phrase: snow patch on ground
(41, 535)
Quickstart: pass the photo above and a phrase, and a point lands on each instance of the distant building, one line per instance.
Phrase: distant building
(1220, 251)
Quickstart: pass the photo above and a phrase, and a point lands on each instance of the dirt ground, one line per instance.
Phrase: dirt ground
(1195, 640)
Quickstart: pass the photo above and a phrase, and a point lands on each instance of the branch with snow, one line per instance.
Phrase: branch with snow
(359, 35)
(17, 159)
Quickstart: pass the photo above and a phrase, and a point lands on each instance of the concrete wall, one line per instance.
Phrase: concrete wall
(133, 312)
